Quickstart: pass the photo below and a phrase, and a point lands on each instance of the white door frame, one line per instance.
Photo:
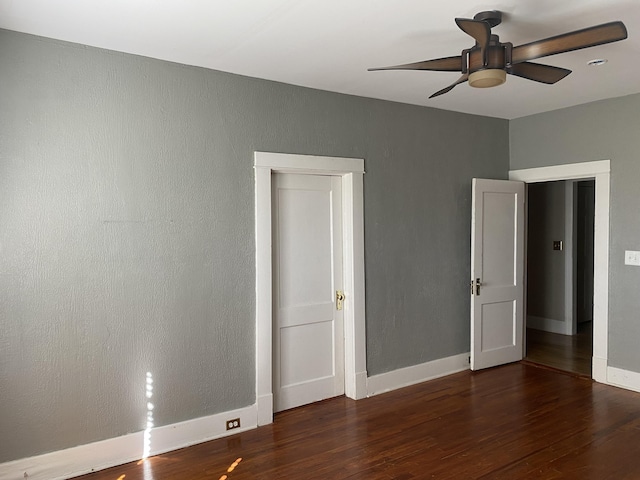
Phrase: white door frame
(570, 259)
(601, 171)
(352, 171)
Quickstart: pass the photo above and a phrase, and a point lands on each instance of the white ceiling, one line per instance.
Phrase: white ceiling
(329, 44)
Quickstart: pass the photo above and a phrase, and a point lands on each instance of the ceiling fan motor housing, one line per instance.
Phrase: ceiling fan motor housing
(493, 72)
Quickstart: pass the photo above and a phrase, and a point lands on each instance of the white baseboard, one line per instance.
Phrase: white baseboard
(623, 378)
(404, 377)
(96, 456)
(548, 325)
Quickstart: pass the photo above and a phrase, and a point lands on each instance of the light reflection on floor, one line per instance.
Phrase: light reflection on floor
(147, 470)
(231, 468)
(147, 473)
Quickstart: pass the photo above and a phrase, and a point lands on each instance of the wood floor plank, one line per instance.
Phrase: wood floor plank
(510, 422)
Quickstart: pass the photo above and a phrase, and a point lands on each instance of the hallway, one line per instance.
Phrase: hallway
(563, 352)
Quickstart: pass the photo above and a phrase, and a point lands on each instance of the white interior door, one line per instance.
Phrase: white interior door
(308, 337)
(497, 272)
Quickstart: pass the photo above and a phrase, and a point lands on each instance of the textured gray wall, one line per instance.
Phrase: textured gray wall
(601, 130)
(127, 233)
(545, 266)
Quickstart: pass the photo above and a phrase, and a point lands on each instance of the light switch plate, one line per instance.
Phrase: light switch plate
(631, 257)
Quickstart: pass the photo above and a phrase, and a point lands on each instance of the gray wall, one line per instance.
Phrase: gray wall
(545, 266)
(601, 130)
(127, 233)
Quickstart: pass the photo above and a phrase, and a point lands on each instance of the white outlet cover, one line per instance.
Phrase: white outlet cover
(632, 257)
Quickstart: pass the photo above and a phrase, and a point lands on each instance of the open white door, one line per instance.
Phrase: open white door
(497, 272)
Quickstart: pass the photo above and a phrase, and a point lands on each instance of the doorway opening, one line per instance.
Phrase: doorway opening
(600, 171)
(560, 256)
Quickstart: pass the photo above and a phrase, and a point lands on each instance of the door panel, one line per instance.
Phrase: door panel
(305, 238)
(498, 253)
(307, 267)
(299, 343)
(497, 266)
(497, 328)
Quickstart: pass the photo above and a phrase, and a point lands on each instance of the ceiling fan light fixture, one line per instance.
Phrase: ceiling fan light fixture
(491, 77)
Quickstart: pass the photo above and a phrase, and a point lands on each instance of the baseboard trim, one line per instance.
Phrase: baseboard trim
(623, 378)
(548, 325)
(403, 377)
(96, 456)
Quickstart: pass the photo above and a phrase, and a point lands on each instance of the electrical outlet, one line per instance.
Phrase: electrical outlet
(233, 423)
(631, 257)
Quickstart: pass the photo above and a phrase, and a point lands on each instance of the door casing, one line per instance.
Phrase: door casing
(601, 172)
(351, 170)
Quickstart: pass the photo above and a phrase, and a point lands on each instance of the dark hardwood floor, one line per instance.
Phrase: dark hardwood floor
(512, 422)
(570, 353)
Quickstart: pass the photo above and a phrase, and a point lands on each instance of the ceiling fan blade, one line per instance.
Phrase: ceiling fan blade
(462, 79)
(539, 73)
(447, 64)
(587, 37)
(478, 29)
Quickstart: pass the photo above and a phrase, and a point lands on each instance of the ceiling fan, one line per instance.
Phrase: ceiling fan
(487, 63)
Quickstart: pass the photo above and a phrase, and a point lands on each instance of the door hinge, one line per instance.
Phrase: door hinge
(475, 286)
